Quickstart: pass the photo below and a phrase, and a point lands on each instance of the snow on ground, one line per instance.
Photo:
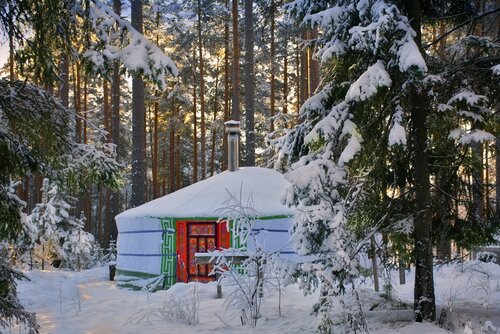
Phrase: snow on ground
(86, 302)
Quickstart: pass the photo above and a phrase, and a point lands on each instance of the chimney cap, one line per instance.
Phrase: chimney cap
(232, 126)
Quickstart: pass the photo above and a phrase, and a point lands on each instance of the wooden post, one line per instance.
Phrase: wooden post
(205, 259)
(402, 277)
(260, 277)
(374, 264)
(219, 287)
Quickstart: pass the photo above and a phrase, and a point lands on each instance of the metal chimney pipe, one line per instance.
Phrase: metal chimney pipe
(233, 136)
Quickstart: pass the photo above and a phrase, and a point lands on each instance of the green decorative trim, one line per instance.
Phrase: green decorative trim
(168, 263)
(217, 218)
(134, 274)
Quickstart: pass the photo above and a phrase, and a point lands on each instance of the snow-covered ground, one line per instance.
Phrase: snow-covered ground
(86, 302)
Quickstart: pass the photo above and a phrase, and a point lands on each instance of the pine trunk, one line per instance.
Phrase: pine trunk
(106, 110)
(77, 103)
(155, 152)
(497, 151)
(178, 184)
(138, 134)
(147, 121)
(64, 84)
(85, 110)
(314, 74)
(477, 181)
(171, 156)
(99, 215)
(164, 171)
(226, 86)
(115, 125)
(12, 74)
(203, 139)
(424, 300)
(214, 133)
(235, 105)
(195, 130)
(273, 55)
(285, 79)
(297, 82)
(249, 85)
(304, 70)
(87, 200)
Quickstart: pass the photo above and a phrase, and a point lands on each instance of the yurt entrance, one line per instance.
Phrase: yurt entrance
(198, 237)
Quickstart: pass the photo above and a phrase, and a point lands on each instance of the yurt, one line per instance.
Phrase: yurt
(161, 237)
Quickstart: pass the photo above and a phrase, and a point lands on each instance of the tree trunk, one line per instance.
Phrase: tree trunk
(497, 152)
(249, 85)
(477, 182)
(12, 74)
(171, 154)
(150, 125)
(87, 200)
(112, 230)
(155, 151)
(64, 84)
(235, 115)
(106, 110)
(304, 70)
(285, 79)
(442, 42)
(297, 78)
(147, 121)
(155, 159)
(443, 249)
(164, 167)
(195, 130)
(226, 86)
(214, 133)
(203, 139)
(424, 301)
(273, 55)
(99, 215)
(108, 128)
(77, 103)
(85, 109)
(313, 63)
(138, 134)
(178, 184)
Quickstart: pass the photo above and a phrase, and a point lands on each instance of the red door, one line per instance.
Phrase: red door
(198, 237)
(201, 239)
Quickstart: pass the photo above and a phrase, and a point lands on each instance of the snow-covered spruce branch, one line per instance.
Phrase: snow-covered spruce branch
(118, 40)
(11, 310)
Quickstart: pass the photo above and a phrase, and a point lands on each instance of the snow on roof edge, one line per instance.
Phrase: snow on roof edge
(205, 198)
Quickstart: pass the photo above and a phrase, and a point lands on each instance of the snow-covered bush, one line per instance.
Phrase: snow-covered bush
(182, 305)
(79, 247)
(110, 255)
(185, 308)
(252, 270)
(59, 237)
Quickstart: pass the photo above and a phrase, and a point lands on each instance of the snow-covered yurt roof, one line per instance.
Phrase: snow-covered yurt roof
(206, 198)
